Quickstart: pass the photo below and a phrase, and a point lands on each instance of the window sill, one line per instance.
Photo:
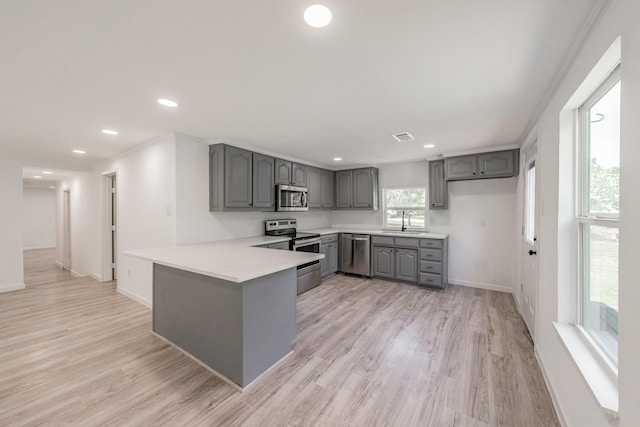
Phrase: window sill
(598, 373)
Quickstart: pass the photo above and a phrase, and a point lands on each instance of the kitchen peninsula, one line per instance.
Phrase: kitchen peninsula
(227, 304)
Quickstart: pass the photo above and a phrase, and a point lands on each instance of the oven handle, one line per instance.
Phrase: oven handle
(307, 242)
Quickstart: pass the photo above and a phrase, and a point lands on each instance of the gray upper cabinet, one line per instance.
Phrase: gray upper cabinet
(344, 190)
(299, 174)
(314, 186)
(320, 186)
(240, 180)
(462, 167)
(497, 164)
(264, 194)
(438, 191)
(357, 189)
(326, 189)
(365, 184)
(283, 172)
(238, 187)
(290, 173)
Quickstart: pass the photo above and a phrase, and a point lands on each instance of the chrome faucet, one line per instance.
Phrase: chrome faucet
(404, 227)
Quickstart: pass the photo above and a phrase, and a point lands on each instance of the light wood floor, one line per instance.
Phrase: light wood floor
(40, 267)
(368, 353)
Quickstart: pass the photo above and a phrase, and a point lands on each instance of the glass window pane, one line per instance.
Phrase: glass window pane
(604, 153)
(412, 218)
(405, 197)
(600, 292)
(530, 208)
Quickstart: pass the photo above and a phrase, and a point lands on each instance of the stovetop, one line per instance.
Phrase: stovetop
(302, 235)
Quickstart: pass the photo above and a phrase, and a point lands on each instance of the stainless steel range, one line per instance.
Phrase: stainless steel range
(308, 274)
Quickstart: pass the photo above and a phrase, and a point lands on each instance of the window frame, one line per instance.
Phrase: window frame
(386, 226)
(584, 216)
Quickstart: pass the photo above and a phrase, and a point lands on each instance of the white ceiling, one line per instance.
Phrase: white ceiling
(461, 74)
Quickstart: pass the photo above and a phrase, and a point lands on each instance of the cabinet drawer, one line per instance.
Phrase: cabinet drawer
(329, 239)
(430, 243)
(430, 279)
(430, 267)
(407, 242)
(384, 240)
(431, 254)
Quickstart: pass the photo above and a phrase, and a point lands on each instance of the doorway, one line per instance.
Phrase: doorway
(111, 234)
(529, 253)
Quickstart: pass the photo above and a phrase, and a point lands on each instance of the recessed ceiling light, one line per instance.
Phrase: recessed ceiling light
(317, 16)
(337, 159)
(110, 132)
(79, 152)
(47, 172)
(429, 145)
(167, 102)
(37, 177)
(52, 187)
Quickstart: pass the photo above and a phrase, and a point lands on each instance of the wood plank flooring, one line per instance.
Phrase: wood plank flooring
(40, 267)
(368, 353)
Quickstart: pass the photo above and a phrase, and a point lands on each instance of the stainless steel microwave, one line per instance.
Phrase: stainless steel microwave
(291, 198)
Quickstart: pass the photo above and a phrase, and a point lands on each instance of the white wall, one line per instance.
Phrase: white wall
(11, 247)
(577, 406)
(39, 218)
(146, 210)
(480, 221)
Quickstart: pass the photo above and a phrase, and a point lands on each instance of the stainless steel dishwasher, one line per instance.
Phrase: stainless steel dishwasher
(355, 254)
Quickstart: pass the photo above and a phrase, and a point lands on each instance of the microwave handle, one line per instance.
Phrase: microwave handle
(303, 199)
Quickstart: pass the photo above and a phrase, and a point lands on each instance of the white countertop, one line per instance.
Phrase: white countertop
(378, 232)
(233, 260)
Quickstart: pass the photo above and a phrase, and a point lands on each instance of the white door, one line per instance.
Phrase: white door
(529, 284)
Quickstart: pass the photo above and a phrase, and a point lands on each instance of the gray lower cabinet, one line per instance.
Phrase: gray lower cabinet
(406, 264)
(357, 189)
(383, 262)
(495, 164)
(438, 187)
(329, 247)
(410, 259)
(240, 180)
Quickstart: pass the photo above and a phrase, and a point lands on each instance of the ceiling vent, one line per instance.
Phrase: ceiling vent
(403, 137)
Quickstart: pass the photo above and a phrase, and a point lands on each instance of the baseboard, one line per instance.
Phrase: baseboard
(59, 264)
(137, 298)
(554, 399)
(95, 276)
(76, 274)
(31, 248)
(10, 288)
(489, 286)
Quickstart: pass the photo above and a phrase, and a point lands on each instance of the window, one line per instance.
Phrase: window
(598, 212)
(405, 205)
(530, 205)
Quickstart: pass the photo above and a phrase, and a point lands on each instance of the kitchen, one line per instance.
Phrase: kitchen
(350, 330)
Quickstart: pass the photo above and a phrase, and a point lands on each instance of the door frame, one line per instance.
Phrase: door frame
(66, 230)
(109, 238)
